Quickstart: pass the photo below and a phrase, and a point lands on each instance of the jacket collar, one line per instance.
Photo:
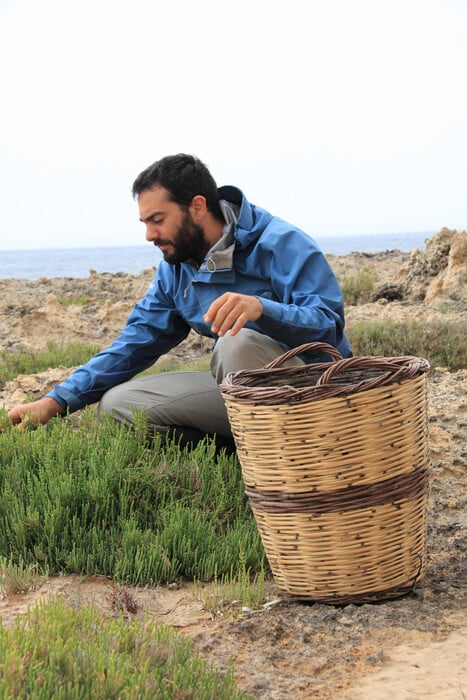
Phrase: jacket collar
(236, 196)
(220, 256)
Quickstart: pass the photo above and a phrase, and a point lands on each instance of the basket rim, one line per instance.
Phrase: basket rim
(327, 379)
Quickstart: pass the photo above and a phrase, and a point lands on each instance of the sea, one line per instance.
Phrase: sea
(79, 262)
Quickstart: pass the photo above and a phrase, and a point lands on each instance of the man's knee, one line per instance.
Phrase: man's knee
(248, 349)
(231, 352)
(239, 344)
(167, 399)
(126, 401)
(111, 404)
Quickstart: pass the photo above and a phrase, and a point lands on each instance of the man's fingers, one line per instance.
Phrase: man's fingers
(23, 418)
(225, 318)
(217, 304)
(231, 311)
(16, 415)
(232, 323)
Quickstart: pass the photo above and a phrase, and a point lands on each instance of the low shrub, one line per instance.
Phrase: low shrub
(56, 651)
(54, 355)
(442, 343)
(101, 499)
(358, 287)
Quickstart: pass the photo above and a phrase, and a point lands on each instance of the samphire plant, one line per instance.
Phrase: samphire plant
(58, 652)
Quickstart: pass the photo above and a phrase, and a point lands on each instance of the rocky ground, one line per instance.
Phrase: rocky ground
(406, 648)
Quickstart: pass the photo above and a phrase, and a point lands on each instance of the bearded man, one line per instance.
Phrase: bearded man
(253, 283)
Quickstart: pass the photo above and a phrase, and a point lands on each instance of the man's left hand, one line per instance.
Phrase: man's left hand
(230, 312)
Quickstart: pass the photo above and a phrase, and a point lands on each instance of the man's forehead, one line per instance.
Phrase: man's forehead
(152, 200)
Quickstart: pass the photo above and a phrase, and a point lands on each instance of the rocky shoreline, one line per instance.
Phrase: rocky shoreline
(411, 647)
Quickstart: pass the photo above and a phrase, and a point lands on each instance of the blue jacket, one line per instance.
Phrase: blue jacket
(268, 258)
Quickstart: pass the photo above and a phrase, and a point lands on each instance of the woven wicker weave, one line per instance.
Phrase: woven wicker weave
(334, 457)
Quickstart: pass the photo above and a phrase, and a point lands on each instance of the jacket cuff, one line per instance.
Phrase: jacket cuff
(271, 309)
(66, 399)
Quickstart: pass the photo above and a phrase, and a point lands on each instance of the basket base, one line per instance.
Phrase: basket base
(358, 598)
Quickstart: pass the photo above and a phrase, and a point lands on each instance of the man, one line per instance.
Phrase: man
(231, 271)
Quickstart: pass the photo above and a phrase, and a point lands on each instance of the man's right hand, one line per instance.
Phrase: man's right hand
(40, 411)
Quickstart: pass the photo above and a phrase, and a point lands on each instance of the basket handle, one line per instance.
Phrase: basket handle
(306, 347)
(394, 369)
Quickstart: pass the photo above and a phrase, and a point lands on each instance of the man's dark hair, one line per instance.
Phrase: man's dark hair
(183, 176)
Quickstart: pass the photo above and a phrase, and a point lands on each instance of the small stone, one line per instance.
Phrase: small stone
(345, 620)
(374, 658)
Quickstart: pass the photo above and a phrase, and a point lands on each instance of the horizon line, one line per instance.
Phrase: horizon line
(143, 245)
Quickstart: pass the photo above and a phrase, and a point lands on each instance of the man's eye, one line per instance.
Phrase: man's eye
(157, 221)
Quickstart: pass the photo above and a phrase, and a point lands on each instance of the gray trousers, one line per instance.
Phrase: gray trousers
(192, 400)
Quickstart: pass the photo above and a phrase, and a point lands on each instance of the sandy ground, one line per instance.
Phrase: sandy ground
(411, 647)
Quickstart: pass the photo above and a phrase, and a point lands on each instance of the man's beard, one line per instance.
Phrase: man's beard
(189, 242)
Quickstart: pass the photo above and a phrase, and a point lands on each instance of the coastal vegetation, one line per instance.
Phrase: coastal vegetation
(359, 286)
(441, 342)
(78, 498)
(28, 361)
(108, 501)
(57, 651)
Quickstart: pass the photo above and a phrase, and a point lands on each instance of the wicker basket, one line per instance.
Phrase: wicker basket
(334, 456)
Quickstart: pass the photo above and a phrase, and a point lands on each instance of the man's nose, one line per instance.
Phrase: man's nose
(151, 233)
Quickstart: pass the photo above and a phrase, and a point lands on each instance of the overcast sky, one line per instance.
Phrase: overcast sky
(341, 116)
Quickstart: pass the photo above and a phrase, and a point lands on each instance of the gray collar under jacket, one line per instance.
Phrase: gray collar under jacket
(220, 256)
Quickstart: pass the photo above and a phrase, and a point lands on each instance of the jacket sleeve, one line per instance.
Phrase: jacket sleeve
(306, 303)
(152, 328)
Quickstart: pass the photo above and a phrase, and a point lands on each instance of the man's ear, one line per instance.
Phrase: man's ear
(198, 207)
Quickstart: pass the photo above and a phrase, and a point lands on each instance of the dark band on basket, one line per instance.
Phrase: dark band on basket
(393, 490)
